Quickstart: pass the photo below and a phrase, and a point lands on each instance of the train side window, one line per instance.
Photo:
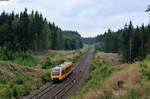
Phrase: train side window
(63, 72)
(67, 70)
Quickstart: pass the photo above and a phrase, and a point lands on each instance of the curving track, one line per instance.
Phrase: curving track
(71, 84)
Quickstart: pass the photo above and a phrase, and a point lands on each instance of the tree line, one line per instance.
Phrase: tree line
(72, 40)
(132, 42)
(23, 31)
(89, 40)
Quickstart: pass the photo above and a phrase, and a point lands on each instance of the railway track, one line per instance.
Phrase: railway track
(78, 81)
(69, 85)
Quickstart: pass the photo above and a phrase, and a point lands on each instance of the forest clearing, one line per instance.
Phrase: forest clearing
(74, 49)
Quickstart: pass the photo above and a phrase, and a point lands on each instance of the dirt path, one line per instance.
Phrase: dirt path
(73, 83)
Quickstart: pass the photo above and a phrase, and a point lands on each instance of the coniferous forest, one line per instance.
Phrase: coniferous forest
(23, 31)
(33, 32)
(25, 40)
(131, 42)
(35, 51)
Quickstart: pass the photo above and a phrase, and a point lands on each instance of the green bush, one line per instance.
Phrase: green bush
(132, 93)
(107, 95)
(12, 91)
(18, 57)
(145, 71)
(148, 57)
(45, 77)
(27, 87)
(17, 91)
(25, 58)
(3, 53)
(74, 59)
(4, 80)
(47, 63)
(143, 66)
(51, 55)
(22, 85)
(92, 67)
(7, 93)
(21, 80)
(98, 46)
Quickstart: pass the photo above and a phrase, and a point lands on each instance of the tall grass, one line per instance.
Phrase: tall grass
(23, 85)
(24, 58)
(107, 95)
(18, 57)
(98, 74)
(79, 53)
(131, 93)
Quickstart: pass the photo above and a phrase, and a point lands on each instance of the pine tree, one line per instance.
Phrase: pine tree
(46, 36)
(22, 32)
(148, 9)
(130, 31)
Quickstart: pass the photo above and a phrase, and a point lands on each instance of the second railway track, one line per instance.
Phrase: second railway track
(69, 85)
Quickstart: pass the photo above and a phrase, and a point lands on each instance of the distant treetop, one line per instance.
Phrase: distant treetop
(148, 9)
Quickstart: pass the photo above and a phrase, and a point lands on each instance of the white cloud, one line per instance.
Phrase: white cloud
(89, 17)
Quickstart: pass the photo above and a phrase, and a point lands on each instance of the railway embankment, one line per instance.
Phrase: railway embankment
(70, 85)
(111, 78)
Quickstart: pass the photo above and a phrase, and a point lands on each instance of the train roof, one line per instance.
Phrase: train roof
(56, 67)
(64, 64)
(61, 65)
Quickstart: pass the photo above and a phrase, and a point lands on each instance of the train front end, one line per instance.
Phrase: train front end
(55, 74)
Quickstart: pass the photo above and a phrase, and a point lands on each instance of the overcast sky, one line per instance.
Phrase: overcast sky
(88, 17)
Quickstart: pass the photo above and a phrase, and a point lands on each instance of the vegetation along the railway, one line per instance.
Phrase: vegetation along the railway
(28, 44)
(32, 32)
(17, 81)
(30, 49)
(111, 78)
(99, 71)
(124, 75)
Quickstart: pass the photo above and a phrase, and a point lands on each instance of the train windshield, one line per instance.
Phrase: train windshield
(56, 71)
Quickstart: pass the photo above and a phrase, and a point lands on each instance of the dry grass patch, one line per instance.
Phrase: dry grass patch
(110, 58)
(57, 55)
(10, 70)
(92, 94)
(129, 76)
(128, 81)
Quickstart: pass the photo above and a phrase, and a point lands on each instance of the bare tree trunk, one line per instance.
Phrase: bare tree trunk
(130, 50)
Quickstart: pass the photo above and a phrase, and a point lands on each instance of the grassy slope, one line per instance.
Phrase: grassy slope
(17, 80)
(104, 85)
